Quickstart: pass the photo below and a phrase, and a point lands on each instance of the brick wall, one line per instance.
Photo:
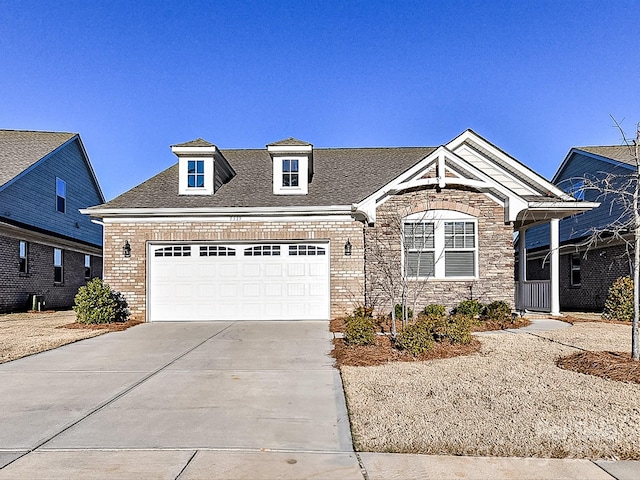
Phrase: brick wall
(495, 248)
(15, 287)
(128, 275)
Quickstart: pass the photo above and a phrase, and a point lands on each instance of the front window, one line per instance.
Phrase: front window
(61, 195)
(438, 245)
(290, 173)
(87, 267)
(576, 279)
(57, 265)
(195, 174)
(22, 268)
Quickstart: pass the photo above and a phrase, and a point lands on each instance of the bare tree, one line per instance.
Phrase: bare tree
(622, 192)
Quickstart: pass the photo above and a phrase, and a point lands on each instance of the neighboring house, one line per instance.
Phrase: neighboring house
(587, 267)
(287, 232)
(47, 247)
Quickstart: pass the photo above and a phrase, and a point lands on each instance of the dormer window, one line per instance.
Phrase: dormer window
(290, 172)
(292, 166)
(195, 174)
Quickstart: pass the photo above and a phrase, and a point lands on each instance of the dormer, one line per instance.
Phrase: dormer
(292, 161)
(202, 167)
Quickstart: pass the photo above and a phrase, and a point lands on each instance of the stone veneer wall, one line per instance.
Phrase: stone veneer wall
(128, 275)
(495, 248)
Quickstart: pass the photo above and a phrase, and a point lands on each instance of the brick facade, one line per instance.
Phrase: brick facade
(128, 275)
(495, 248)
(15, 287)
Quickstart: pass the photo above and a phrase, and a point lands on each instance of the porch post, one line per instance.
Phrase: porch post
(554, 243)
(522, 266)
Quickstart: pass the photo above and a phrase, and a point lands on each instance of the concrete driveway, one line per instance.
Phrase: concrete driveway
(178, 400)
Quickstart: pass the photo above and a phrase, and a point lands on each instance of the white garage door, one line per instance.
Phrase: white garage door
(252, 281)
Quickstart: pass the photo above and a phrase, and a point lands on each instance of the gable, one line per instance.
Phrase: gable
(30, 198)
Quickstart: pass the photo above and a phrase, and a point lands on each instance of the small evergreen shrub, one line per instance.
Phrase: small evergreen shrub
(398, 309)
(363, 311)
(415, 338)
(619, 303)
(96, 302)
(470, 308)
(498, 310)
(435, 310)
(458, 329)
(359, 330)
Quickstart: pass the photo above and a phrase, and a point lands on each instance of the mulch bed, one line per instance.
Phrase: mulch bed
(383, 352)
(617, 366)
(112, 327)
(572, 319)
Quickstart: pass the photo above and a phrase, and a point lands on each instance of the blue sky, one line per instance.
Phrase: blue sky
(533, 77)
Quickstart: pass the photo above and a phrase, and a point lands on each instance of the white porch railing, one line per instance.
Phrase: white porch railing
(533, 295)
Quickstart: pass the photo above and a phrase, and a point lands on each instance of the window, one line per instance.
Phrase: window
(87, 267)
(290, 173)
(217, 251)
(61, 195)
(195, 174)
(440, 244)
(57, 265)
(575, 270)
(262, 250)
(175, 251)
(24, 250)
(577, 189)
(303, 250)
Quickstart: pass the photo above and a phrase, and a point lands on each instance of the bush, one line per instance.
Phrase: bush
(619, 303)
(359, 330)
(435, 310)
(470, 308)
(398, 309)
(363, 311)
(97, 303)
(416, 338)
(458, 329)
(498, 310)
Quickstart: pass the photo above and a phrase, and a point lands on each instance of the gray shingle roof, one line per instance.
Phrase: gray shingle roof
(289, 142)
(342, 176)
(19, 149)
(198, 142)
(620, 153)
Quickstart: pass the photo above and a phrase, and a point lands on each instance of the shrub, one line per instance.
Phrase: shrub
(458, 329)
(416, 338)
(619, 303)
(363, 311)
(435, 310)
(398, 309)
(498, 310)
(470, 308)
(96, 302)
(359, 330)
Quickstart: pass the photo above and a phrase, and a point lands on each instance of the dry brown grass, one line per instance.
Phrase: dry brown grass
(509, 399)
(23, 334)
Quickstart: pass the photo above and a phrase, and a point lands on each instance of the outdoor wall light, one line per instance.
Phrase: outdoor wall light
(347, 249)
(126, 249)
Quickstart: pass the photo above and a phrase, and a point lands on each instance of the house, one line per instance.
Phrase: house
(47, 247)
(588, 265)
(290, 231)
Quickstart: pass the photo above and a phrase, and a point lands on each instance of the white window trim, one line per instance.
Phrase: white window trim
(438, 218)
(24, 257)
(303, 175)
(87, 259)
(183, 167)
(61, 266)
(572, 269)
(63, 196)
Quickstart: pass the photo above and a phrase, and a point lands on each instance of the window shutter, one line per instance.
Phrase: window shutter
(459, 264)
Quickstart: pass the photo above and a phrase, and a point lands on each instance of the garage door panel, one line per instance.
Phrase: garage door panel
(260, 282)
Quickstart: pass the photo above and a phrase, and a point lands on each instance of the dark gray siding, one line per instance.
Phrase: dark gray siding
(580, 166)
(31, 199)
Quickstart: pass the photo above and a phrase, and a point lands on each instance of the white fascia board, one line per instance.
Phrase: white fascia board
(564, 206)
(535, 178)
(218, 212)
(197, 151)
(231, 219)
(290, 148)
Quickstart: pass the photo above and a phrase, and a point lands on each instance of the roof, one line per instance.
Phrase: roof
(343, 176)
(620, 153)
(198, 142)
(289, 142)
(19, 149)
